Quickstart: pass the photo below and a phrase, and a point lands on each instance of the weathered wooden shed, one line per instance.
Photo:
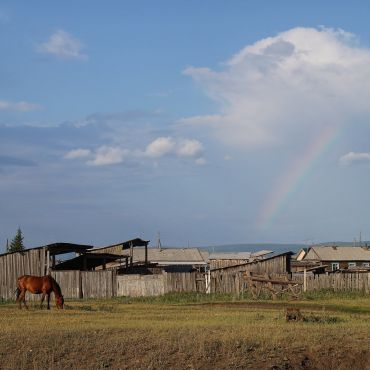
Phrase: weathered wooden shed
(229, 279)
(35, 261)
(226, 259)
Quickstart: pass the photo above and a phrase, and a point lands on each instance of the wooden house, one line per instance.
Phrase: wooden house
(340, 258)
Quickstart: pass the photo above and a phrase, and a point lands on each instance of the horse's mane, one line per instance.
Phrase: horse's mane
(56, 287)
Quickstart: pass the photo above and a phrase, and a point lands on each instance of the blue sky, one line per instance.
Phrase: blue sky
(212, 122)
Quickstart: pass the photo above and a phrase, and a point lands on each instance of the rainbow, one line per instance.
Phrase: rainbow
(294, 176)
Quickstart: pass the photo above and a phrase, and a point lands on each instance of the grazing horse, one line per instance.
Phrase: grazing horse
(39, 285)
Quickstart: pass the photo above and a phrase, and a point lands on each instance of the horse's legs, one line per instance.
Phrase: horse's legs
(19, 299)
(42, 299)
(48, 300)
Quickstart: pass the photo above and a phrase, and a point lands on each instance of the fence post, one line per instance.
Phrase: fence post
(79, 278)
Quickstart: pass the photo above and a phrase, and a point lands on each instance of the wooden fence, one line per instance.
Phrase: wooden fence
(106, 284)
(346, 282)
(158, 284)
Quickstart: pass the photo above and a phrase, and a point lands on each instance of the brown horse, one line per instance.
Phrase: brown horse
(39, 285)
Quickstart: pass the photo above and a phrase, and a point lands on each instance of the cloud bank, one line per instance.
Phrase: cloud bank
(354, 158)
(158, 148)
(288, 85)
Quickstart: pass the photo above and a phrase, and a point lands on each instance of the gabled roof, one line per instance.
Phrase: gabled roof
(238, 255)
(170, 256)
(230, 256)
(333, 253)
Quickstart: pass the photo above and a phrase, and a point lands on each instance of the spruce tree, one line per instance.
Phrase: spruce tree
(16, 245)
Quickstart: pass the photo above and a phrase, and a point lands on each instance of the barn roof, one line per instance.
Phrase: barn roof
(92, 260)
(333, 253)
(137, 242)
(61, 248)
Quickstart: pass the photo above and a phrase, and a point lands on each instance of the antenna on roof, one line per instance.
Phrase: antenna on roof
(159, 244)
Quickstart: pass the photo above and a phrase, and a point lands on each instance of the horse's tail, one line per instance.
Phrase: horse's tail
(18, 293)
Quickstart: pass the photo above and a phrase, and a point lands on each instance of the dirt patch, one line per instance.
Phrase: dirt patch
(123, 350)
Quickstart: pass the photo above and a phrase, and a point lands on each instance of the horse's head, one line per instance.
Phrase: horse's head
(60, 302)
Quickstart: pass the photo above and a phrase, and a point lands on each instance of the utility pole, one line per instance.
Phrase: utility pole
(159, 244)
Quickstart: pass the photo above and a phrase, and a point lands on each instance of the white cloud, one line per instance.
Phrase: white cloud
(63, 45)
(189, 148)
(78, 153)
(169, 146)
(106, 155)
(21, 106)
(352, 158)
(279, 87)
(160, 147)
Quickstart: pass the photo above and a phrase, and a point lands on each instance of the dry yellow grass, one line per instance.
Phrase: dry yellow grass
(117, 335)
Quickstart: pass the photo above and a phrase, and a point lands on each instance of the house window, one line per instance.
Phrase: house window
(335, 266)
(351, 265)
(366, 264)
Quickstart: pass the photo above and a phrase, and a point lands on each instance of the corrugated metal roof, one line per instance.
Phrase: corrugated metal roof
(169, 255)
(333, 253)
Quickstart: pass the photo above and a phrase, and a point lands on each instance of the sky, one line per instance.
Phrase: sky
(210, 122)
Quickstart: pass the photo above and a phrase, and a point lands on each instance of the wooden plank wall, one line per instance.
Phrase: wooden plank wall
(158, 284)
(13, 265)
(180, 282)
(346, 282)
(86, 284)
(140, 285)
(70, 283)
(98, 284)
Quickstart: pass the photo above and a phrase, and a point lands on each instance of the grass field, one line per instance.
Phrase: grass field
(188, 332)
